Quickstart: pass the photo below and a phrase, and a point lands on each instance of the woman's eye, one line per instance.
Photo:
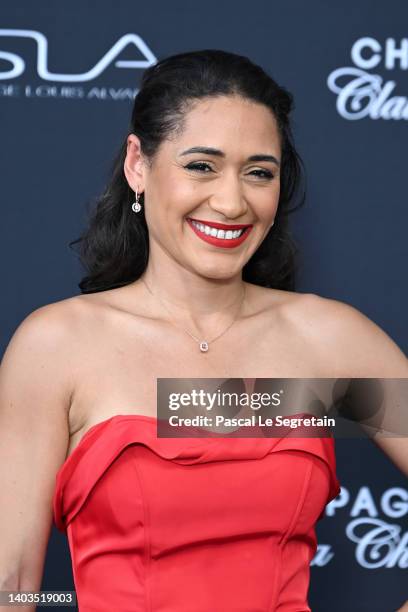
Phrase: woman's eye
(265, 174)
(203, 167)
(197, 165)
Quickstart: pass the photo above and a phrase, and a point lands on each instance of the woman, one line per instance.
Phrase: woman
(171, 525)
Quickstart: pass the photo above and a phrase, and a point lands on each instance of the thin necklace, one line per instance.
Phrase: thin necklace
(204, 344)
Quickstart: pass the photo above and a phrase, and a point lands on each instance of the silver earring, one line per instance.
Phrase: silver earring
(136, 206)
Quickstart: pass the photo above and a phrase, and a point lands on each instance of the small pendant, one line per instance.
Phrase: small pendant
(203, 346)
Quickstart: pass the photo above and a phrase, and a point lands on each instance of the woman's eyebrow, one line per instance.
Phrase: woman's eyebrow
(212, 151)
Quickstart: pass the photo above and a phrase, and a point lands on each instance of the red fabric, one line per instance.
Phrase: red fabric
(192, 524)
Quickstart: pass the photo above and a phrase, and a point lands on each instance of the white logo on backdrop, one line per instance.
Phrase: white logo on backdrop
(378, 543)
(364, 94)
(18, 67)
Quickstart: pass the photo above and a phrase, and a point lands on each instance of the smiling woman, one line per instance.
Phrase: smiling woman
(205, 99)
(202, 254)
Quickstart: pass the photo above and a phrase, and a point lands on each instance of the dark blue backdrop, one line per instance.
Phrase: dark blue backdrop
(64, 115)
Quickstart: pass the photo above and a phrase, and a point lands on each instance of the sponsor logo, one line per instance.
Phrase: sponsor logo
(17, 67)
(379, 541)
(363, 94)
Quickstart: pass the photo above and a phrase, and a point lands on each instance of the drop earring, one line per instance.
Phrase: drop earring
(136, 206)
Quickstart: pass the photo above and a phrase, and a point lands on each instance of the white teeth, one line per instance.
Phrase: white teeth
(212, 231)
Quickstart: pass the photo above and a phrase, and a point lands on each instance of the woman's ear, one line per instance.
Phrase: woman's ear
(134, 167)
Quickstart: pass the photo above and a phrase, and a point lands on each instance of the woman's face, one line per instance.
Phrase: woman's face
(226, 187)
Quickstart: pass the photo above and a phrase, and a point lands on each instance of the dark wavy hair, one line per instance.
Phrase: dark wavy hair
(114, 248)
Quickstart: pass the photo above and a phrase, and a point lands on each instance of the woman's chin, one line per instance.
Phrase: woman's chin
(217, 272)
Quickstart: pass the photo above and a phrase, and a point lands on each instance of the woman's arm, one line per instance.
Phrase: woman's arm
(35, 391)
(359, 348)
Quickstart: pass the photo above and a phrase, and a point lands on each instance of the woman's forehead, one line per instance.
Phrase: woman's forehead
(228, 112)
(226, 125)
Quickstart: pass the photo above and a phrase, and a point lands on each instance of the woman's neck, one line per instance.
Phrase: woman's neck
(199, 303)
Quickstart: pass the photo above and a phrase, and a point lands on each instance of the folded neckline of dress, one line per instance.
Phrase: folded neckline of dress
(94, 454)
(153, 420)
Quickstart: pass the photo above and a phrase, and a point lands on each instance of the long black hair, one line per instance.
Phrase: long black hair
(114, 248)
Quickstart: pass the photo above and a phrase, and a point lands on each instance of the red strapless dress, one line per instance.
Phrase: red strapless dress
(218, 524)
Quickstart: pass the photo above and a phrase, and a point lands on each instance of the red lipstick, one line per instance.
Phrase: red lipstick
(221, 242)
(224, 226)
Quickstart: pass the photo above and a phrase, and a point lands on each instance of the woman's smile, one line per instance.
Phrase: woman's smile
(215, 234)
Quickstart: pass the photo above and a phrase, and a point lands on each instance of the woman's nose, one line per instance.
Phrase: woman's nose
(229, 201)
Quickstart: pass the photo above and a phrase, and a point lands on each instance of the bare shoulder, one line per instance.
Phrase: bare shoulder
(353, 344)
(52, 322)
(276, 302)
(49, 333)
(70, 314)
